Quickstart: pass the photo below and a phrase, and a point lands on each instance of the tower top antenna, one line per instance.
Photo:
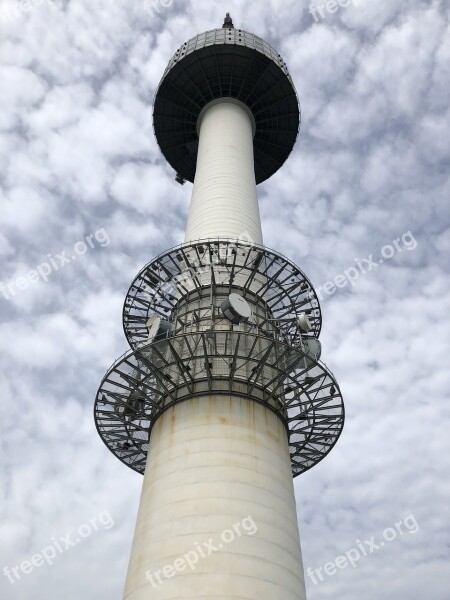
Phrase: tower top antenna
(228, 22)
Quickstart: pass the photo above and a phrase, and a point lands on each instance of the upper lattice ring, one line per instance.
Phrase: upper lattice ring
(230, 264)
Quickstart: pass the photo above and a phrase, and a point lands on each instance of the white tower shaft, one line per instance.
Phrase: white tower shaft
(218, 470)
(224, 200)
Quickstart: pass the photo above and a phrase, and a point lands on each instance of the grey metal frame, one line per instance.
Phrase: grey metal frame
(141, 385)
(201, 267)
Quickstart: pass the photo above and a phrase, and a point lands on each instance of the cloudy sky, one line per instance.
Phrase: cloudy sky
(85, 190)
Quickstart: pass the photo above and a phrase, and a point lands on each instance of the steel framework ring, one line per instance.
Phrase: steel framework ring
(231, 265)
(141, 385)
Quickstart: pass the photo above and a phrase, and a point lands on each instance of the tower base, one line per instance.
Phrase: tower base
(217, 517)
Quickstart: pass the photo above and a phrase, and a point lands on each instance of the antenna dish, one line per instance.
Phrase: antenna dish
(313, 350)
(236, 309)
(304, 323)
(157, 328)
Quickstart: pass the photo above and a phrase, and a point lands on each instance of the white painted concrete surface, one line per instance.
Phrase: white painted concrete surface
(224, 200)
(219, 462)
(216, 463)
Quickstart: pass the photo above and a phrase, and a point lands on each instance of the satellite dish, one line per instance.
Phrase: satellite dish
(304, 323)
(313, 350)
(153, 329)
(236, 309)
(151, 320)
(157, 328)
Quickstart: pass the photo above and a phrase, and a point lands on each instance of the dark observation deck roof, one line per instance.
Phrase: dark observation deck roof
(220, 63)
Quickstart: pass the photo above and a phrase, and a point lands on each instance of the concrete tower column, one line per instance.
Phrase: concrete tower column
(218, 471)
(218, 475)
(224, 200)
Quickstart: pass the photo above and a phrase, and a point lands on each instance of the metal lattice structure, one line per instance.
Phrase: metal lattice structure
(206, 266)
(202, 353)
(141, 385)
(183, 345)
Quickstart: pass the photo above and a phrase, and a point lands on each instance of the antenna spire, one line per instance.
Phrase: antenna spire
(228, 22)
